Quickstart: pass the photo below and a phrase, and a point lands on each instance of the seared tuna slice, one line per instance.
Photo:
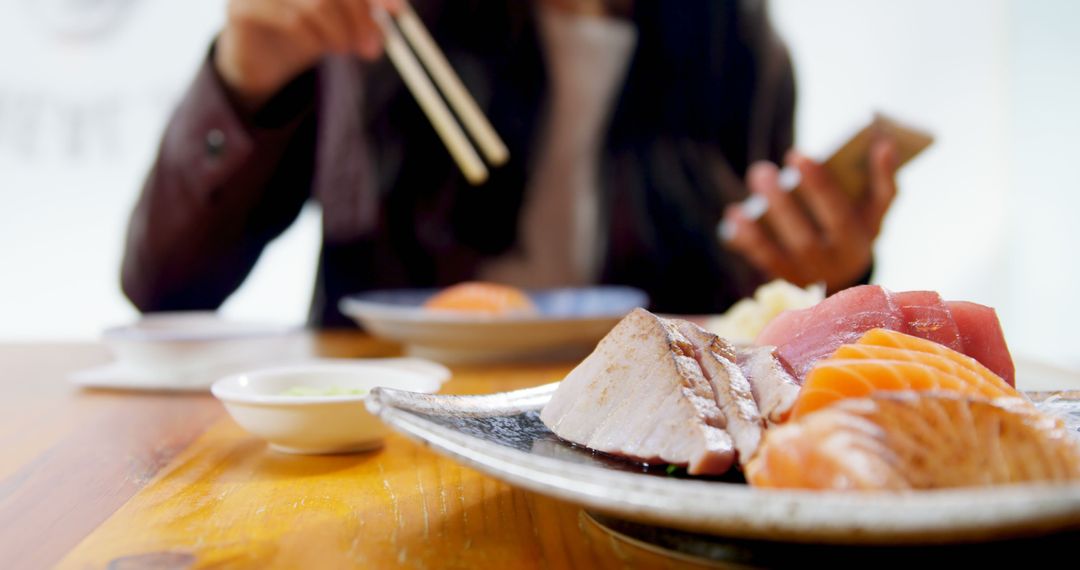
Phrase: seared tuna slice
(773, 387)
(641, 395)
(730, 388)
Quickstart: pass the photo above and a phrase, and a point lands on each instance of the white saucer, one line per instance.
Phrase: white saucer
(188, 350)
(124, 376)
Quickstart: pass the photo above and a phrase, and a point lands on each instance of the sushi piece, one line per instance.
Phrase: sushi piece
(881, 343)
(642, 395)
(980, 331)
(926, 315)
(888, 360)
(742, 419)
(772, 385)
(803, 337)
(481, 298)
(916, 440)
(837, 379)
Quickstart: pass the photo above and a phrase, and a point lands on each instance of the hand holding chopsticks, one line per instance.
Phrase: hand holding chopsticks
(266, 43)
(410, 30)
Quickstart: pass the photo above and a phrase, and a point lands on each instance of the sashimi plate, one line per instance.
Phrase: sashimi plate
(569, 323)
(502, 435)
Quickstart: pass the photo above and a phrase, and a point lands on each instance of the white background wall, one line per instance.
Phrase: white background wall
(986, 214)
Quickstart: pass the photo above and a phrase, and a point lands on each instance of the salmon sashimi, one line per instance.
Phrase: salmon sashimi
(482, 298)
(948, 360)
(980, 331)
(928, 316)
(916, 440)
(893, 345)
(837, 379)
(805, 336)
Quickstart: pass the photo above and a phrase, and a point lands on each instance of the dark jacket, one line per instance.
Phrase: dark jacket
(709, 90)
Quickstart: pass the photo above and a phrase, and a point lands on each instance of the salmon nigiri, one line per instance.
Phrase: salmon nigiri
(916, 440)
(482, 298)
(882, 361)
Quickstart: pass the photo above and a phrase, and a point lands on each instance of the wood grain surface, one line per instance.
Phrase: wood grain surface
(70, 458)
(111, 479)
(114, 480)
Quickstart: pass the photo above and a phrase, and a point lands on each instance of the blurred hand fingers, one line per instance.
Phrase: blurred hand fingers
(831, 208)
(275, 15)
(882, 183)
(785, 215)
(392, 6)
(746, 237)
(367, 40)
(329, 20)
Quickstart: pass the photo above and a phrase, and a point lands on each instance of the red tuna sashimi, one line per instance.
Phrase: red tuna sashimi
(983, 339)
(805, 336)
(929, 317)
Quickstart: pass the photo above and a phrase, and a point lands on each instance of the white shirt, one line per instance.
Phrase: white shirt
(559, 238)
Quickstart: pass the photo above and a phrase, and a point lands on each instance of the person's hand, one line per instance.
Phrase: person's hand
(829, 240)
(265, 43)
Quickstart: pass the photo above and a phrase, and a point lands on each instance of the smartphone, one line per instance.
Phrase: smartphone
(850, 164)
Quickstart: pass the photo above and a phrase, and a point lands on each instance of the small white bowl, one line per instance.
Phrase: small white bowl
(320, 424)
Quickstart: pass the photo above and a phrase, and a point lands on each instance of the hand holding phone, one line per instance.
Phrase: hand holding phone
(850, 164)
(822, 228)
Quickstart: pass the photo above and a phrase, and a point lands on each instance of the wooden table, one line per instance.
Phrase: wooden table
(101, 479)
(109, 479)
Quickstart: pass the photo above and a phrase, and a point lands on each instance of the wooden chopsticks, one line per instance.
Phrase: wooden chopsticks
(409, 27)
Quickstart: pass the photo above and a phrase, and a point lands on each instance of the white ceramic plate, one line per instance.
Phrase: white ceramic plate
(262, 402)
(187, 351)
(501, 435)
(570, 323)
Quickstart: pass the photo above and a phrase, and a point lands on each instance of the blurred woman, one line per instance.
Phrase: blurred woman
(631, 125)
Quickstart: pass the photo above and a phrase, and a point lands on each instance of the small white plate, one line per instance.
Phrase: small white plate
(186, 351)
(178, 343)
(123, 376)
(569, 324)
(320, 424)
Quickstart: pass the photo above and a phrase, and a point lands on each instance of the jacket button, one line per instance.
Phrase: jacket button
(215, 143)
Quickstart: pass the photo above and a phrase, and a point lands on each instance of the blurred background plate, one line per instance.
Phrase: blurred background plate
(569, 324)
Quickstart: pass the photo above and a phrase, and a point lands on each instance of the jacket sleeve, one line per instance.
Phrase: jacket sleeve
(222, 186)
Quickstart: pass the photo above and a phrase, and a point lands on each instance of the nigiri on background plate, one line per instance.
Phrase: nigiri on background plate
(567, 323)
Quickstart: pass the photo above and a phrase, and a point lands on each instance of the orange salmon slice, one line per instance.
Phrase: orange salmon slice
(916, 440)
(893, 339)
(482, 298)
(885, 360)
(837, 379)
(978, 376)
